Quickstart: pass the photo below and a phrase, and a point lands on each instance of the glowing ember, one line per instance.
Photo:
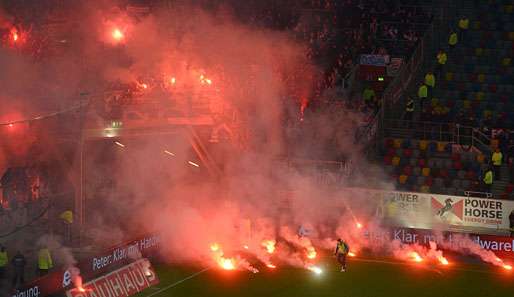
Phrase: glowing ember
(351, 254)
(359, 225)
(311, 253)
(443, 260)
(215, 247)
(169, 153)
(271, 266)
(269, 245)
(14, 35)
(173, 80)
(416, 257)
(227, 264)
(315, 269)
(508, 267)
(117, 34)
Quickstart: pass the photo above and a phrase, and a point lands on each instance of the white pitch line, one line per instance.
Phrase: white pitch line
(179, 282)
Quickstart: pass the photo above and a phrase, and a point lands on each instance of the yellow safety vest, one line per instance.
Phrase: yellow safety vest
(44, 259)
(423, 91)
(442, 58)
(430, 80)
(368, 94)
(488, 178)
(453, 39)
(497, 158)
(3, 259)
(67, 216)
(464, 24)
(341, 248)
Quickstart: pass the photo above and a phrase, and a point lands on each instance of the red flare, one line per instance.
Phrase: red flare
(351, 254)
(416, 257)
(117, 34)
(269, 245)
(271, 266)
(507, 267)
(311, 253)
(359, 225)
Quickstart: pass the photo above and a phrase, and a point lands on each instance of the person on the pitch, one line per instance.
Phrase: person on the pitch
(342, 250)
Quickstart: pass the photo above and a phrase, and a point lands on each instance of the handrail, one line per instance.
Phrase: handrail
(454, 132)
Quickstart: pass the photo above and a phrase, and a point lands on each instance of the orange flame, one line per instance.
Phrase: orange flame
(416, 257)
(311, 253)
(269, 245)
(443, 260)
(117, 34)
(351, 254)
(14, 34)
(215, 247)
(227, 264)
(508, 267)
(271, 266)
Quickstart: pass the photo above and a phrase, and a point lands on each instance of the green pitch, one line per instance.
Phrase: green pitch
(364, 278)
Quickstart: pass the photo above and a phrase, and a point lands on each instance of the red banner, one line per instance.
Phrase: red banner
(124, 282)
(502, 246)
(60, 279)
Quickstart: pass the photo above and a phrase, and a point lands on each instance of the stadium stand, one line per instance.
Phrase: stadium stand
(471, 95)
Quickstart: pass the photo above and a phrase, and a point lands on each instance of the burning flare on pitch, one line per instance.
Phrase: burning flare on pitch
(315, 269)
(443, 260)
(311, 252)
(225, 263)
(416, 257)
(117, 35)
(269, 245)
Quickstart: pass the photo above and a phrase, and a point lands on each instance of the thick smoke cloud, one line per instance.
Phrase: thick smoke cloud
(256, 205)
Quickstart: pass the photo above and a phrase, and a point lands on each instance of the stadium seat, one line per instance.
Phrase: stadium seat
(456, 157)
(440, 147)
(424, 189)
(397, 143)
(423, 145)
(425, 171)
(395, 161)
(422, 163)
(402, 179)
(407, 170)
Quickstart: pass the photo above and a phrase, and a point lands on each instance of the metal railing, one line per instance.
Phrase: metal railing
(448, 132)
